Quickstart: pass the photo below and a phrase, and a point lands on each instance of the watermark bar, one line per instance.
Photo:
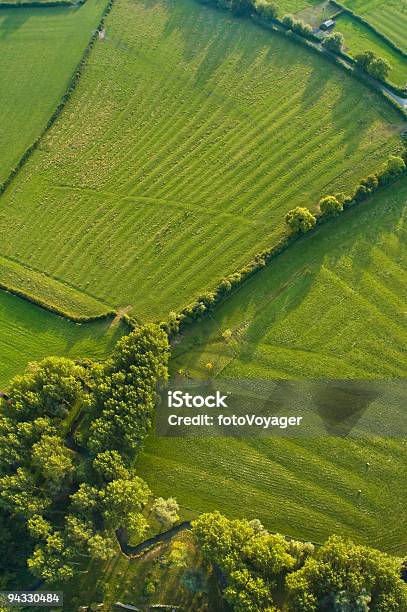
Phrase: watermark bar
(289, 408)
(23, 599)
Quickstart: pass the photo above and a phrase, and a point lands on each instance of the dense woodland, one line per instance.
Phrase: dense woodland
(69, 433)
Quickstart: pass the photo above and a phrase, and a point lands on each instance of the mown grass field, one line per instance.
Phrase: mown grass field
(294, 6)
(30, 333)
(388, 16)
(39, 49)
(190, 135)
(332, 306)
(359, 38)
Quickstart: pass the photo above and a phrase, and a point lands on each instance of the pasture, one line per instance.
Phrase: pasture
(388, 16)
(30, 333)
(334, 306)
(359, 38)
(40, 49)
(291, 7)
(190, 135)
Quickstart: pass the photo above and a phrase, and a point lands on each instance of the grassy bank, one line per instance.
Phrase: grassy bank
(30, 333)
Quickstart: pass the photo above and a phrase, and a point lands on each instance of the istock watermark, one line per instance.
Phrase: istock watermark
(178, 399)
(304, 408)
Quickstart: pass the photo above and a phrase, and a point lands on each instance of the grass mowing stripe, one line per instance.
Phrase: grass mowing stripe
(327, 307)
(228, 167)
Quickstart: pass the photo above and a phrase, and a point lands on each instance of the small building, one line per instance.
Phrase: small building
(328, 25)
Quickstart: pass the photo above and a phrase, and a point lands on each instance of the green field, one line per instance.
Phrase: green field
(29, 333)
(334, 305)
(39, 49)
(190, 135)
(359, 38)
(388, 16)
(294, 6)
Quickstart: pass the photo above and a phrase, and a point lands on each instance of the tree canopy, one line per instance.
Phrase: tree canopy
(300, 219)
(69, 436)
(340, 576)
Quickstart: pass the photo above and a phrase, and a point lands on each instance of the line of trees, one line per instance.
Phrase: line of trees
(268, 11)
(301, 220)
(69, 434)
(258, 566)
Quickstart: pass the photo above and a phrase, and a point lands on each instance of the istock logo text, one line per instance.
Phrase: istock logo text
(178, 399)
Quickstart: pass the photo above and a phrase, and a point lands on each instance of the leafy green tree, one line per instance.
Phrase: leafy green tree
(122, 503)
(80, 536)
(364, 59)
(268, 553)
(379, 68)
(19, 494)
(330, 206)
(50, 388)
(395, 165)
(39, 527)
(78, 531)
(343, 602)
(110, 466)
(85, 500)
(101, 547)
(52, 458)
(334, 42)
(300, 220)
(258, 527)
(52, 560)
(367, 186)
(125, 395)
(18, 438)
(220, 538)
(342, 573)
(252, 559)
(165, 511)
(248, 593)
(266, 9)
(300, 551)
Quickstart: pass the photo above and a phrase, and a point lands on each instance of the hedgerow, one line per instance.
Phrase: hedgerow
(341, 59)
(331, 205)
(66, 96)
(357, 17)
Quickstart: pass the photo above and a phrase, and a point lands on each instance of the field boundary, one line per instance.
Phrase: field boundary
(206, 303)
(73, 300)
(371, 27)
(342, 60)
(194, 309)
(296, 30)
(63, 102)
